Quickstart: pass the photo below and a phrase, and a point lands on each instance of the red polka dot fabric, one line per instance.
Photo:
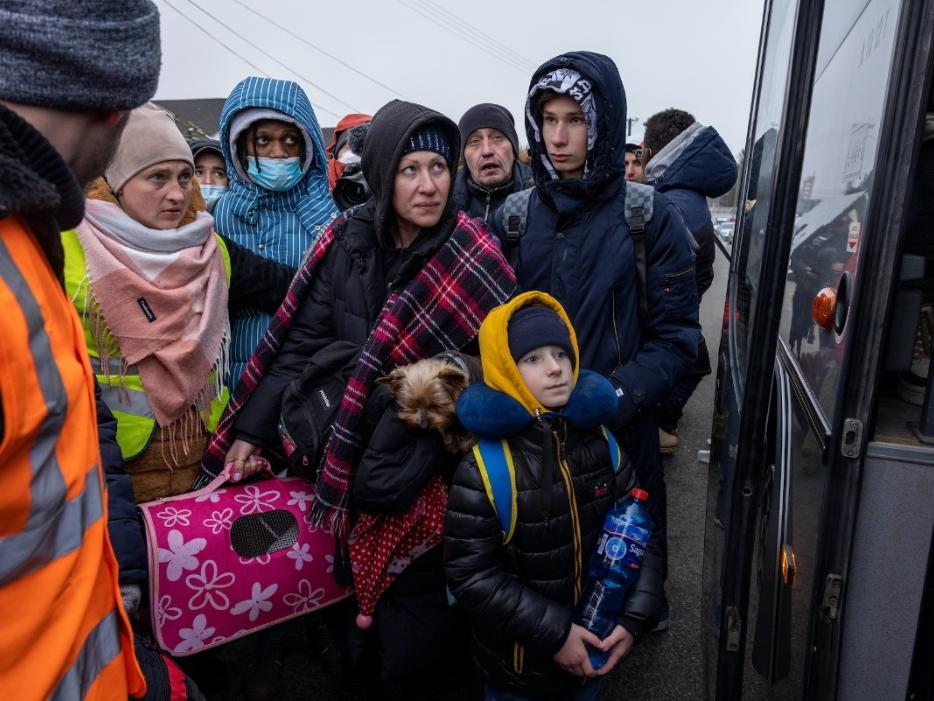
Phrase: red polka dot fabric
(382, 545)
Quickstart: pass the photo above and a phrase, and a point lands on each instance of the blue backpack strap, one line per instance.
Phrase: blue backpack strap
(494, 460)
(616, 455)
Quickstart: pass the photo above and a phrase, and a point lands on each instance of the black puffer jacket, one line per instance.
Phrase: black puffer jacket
(519, 597)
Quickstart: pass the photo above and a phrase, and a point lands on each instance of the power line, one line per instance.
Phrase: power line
(445, 24)
(320, 50)
(205, 31)
(483, 36)
(274, 59)
(435, 17)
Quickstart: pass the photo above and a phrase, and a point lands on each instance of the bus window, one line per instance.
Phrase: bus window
(836, 178)
(758, 194)
(911, 320)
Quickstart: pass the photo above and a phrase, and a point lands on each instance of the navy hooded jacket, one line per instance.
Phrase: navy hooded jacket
(577, 248)
(700, 166)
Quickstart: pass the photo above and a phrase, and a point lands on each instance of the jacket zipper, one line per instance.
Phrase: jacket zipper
(486, 216)
(619, 352)
(575, 519)
(518, 657)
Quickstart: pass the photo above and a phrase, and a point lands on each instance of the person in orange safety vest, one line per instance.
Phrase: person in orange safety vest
(69, 74)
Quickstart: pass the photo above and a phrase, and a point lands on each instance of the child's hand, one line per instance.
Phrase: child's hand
(572, 657)
(619, 644)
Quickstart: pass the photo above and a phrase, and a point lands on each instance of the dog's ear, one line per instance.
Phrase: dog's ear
(454, 378)
(393, 380)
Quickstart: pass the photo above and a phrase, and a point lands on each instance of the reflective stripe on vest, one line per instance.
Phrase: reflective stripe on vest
(65, 633)
(121, 388)
(100, 648)
(48, 533)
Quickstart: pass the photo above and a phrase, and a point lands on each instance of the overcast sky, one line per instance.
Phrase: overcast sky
(694, 55)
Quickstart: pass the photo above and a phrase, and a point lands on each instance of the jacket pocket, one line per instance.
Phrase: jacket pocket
(680, 293)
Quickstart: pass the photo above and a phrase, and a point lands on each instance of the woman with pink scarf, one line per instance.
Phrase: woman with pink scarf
(153, 284)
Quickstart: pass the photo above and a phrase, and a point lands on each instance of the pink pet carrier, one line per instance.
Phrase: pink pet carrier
(230, 559)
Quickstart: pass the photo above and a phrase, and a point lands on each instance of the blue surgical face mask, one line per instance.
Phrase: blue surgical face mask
(212, 193)
(278, 174)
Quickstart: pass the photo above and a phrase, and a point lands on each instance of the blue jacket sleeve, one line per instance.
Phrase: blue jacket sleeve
(672, 332)
(126, 534)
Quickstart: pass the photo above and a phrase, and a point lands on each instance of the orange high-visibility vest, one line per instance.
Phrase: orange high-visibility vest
(63, 631)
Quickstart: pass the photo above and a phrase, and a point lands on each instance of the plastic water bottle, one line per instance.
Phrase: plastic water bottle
(614, 567)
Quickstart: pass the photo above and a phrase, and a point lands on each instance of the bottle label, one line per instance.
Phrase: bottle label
(623, 544)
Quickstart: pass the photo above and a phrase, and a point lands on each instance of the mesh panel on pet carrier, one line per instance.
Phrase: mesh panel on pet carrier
(261, 534)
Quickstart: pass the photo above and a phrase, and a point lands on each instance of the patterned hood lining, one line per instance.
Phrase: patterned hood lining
(563, 81)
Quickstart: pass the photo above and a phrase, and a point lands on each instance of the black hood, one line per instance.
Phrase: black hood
(389, 131)
(606, 159)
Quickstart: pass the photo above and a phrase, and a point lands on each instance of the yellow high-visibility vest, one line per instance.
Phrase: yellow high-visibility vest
(122, 390)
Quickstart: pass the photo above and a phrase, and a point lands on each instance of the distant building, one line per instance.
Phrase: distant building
(200, 119)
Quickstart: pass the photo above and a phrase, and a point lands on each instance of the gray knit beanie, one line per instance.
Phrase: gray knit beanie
(74, 54)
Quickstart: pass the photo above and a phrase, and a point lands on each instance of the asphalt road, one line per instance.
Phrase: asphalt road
(665, 666)
(668, 666)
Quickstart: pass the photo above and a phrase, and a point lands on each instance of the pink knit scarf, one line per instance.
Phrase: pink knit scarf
(162, 295)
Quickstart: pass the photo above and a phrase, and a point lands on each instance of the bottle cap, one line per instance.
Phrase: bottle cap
(640, 494)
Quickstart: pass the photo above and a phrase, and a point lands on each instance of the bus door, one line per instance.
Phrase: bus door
(787, 501)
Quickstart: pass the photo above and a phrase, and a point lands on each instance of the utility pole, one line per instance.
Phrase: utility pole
(629, 122)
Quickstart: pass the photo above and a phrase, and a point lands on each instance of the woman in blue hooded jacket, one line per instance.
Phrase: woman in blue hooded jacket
(278, 201)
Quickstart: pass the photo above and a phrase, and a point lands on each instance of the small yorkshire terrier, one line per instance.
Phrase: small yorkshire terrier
(427, 392)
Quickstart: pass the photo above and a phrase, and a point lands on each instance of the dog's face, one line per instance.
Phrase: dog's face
(427, 392)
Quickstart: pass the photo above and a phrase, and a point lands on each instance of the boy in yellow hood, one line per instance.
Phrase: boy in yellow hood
(518, 568)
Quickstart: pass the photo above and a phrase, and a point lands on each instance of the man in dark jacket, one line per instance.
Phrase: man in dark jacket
(577, 246)
(493, 170)
(689, 163)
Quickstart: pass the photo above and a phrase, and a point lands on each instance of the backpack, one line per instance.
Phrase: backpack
(498, 472)
(637, 210)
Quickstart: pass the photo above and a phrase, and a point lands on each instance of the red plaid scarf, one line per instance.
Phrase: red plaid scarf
(440, 309)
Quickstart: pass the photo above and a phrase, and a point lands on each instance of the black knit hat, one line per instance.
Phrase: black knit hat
(489, 116)
(429, 138)
(534, 327)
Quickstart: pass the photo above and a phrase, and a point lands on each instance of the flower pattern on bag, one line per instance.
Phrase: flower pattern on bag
(258, 601)
(194, 638)
(213, 497)
(300, 553)
(305, 599)
(180, 555)
(258, 560)
(174, 517)
(165, 611)
(220, 520)
(206, 586)
(300, 499)
(254, 500)
(199, 581)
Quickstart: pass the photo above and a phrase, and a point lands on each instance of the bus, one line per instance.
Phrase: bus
(817, 575)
